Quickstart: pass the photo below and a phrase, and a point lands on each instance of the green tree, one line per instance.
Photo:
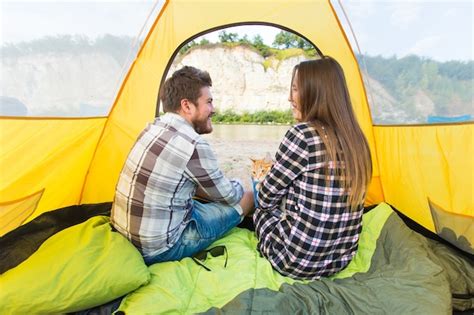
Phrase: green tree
(188, 46)
(459, 70)
(286, 39)
(258, 43)
(225, 37)
(204, 41)
(245, 40)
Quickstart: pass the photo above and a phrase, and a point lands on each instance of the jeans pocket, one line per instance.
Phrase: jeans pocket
(191, 235)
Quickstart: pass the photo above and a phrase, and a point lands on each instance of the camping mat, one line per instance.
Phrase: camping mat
(395, 271)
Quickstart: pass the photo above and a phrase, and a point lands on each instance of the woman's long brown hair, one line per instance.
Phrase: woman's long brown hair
(325, 103)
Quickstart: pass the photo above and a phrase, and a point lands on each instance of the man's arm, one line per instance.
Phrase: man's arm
(203, 170)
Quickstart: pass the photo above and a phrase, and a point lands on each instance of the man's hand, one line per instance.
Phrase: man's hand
(247, 203)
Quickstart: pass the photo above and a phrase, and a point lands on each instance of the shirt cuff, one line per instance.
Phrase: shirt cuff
(239, 187)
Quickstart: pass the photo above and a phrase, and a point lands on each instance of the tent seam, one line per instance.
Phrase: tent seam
(125, 80)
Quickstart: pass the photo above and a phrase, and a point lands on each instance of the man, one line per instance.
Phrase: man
(168, 165)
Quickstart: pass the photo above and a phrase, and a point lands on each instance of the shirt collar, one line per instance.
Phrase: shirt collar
(176, 120)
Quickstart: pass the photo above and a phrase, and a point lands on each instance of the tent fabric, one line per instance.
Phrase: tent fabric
(14, 213)
(456, 229)
(418, 163)
(394, 271)
(46, 154)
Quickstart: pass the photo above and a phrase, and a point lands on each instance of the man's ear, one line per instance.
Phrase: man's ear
(186, 106)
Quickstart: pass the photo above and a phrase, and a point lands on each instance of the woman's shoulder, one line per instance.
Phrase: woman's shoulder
(300, 128)
(304, 130)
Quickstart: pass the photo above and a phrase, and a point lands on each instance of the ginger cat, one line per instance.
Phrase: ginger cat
(260, 167)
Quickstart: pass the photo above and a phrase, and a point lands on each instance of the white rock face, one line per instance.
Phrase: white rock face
(61, 84)
(240, 80)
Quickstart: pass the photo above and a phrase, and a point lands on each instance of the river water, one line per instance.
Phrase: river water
(234, 145)
(248, 132)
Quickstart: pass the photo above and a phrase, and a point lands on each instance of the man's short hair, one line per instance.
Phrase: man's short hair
(185, 83)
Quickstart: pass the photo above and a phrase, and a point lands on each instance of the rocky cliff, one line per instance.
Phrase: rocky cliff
(243, 80)
(61, 84)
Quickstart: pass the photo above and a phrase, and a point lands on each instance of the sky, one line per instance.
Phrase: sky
(441, 30)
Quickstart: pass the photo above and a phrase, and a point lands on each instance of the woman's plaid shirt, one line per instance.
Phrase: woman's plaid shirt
(153, 197)
(316, 234)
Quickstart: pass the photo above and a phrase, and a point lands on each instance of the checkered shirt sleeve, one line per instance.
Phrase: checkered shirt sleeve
(204, 171)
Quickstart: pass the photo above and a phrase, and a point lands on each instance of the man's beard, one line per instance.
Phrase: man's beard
(201, 126)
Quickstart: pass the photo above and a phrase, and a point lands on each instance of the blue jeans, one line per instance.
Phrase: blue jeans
(209, 222)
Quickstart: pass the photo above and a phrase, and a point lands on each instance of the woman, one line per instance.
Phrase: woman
(321, 172)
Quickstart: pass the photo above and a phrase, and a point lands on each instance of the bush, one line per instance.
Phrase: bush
(260, 117)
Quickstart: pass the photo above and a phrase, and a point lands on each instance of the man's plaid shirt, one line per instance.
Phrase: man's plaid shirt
(317, 234)
(153, 198)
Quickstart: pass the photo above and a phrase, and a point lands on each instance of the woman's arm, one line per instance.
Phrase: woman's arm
(290, 161)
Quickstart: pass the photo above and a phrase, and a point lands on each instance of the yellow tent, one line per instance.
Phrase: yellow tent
(51, 163)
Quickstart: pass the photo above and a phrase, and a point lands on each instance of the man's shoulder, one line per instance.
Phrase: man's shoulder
(177, 125)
